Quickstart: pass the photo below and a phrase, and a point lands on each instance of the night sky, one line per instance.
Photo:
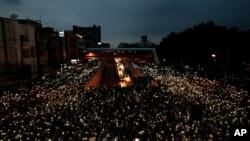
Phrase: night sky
(127, 20)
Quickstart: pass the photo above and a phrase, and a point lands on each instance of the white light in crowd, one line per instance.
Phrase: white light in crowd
(74, 61)
(137, 139)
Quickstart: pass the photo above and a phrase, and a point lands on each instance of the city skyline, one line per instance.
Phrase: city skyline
(126, 21)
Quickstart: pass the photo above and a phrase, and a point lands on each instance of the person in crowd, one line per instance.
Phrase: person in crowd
(183, 107)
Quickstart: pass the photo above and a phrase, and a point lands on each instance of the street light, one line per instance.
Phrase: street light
(213, 55)
(99, 44)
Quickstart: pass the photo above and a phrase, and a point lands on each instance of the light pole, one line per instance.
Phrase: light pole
(213, 65)
(213, 55)
(226, 66)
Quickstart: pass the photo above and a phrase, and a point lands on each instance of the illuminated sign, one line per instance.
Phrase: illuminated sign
(61, 33)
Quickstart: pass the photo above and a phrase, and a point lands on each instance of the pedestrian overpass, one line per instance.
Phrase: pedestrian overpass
(130, 53)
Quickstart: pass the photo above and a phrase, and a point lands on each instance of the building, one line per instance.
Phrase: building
(104, 45)
(49, 49)
(80, 38)
(71, 49)
(18, 54)
(90, 36)
(143, 43)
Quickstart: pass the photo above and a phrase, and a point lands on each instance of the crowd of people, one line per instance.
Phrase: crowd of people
(184, 107)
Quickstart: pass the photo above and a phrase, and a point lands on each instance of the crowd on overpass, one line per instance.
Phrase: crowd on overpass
(183, 107)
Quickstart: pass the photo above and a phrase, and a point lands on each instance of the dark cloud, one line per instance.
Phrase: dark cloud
(127, 20)
(14, 1)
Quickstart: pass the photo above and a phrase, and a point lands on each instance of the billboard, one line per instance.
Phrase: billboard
(61, 33)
